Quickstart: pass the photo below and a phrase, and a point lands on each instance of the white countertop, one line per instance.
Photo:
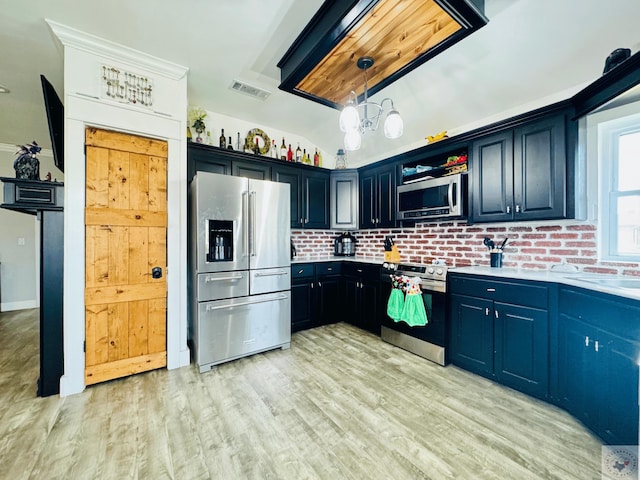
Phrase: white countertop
(334, 258)
(575, 279)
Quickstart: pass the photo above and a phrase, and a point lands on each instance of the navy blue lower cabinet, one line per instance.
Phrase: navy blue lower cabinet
(494, 335)
(303, 297)
(598, 363)
(521, 350)
(472, 333)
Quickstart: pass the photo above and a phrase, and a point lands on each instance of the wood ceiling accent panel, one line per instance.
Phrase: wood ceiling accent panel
(394, 32)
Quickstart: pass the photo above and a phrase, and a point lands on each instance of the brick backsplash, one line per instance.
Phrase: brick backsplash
(531, 245)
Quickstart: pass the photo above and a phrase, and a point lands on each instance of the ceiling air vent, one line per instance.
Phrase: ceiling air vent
(250, 90)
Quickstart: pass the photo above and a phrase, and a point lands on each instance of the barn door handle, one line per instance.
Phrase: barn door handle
(156, 272)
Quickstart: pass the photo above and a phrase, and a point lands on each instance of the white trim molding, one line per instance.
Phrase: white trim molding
(70, 37)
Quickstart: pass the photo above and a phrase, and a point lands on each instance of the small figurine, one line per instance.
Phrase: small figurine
(27, 166)
(47, 178)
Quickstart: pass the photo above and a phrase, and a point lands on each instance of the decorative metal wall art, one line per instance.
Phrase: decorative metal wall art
(126, 87)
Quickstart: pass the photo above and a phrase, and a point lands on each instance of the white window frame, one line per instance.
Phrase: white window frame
(608, 134)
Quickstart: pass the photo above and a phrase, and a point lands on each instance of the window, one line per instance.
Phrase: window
(620, 189)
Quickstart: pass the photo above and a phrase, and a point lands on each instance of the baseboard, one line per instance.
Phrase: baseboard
(11, 306)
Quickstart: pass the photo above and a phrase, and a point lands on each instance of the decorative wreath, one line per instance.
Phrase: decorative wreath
(263, 141)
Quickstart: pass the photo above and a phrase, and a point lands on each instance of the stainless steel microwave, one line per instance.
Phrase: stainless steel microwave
(432, 198)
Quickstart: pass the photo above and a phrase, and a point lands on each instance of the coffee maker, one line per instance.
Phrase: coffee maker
(344, 245)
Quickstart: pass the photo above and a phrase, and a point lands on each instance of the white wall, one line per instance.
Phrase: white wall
(215, 122)
(19, 259)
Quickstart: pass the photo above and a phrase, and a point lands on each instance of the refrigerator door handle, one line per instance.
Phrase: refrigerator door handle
(245, 231)
(252, 216)
(271, 274)
(242, 304)
(220, 279)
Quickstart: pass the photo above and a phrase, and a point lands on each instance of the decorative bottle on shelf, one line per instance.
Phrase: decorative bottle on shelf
(238, 143)
(298, 154)
(320, 159)
(274, 149)
(341, 159)
(230, 144)
(305, 158)
(289, 154)
(256, 147)
(283, 150)
(208, 140)
(316, 158)
(189, 136)
(223, 139)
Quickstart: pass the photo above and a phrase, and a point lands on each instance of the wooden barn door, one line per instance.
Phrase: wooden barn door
(125, 237)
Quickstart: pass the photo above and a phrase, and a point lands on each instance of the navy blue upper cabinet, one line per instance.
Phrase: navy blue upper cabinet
(520, 173)
(309, 192)
(378, 196)
(598, 354)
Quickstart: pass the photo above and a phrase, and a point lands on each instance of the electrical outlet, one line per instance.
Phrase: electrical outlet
(20, 240)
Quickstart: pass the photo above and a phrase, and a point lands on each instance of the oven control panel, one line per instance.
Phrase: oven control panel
(427, 272)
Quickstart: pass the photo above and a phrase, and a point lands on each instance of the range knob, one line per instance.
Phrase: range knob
(385, 265)
(439, 271)
(430, 270)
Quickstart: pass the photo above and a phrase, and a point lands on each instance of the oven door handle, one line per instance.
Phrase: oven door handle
(450, 196)
(433, 286)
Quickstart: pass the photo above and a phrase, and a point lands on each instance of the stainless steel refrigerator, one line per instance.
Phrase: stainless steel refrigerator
(240, 275)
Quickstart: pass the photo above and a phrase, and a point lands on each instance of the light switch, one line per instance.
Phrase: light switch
(20, 240)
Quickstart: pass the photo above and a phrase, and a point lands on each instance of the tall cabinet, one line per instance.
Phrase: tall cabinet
(377, 196)
(344, 200)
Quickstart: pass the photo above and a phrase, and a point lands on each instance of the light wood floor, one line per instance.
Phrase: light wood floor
(340, 404)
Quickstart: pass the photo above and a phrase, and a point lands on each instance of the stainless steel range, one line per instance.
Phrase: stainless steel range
(427, 341)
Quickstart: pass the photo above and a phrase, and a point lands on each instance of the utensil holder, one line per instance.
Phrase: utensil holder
(496, 259)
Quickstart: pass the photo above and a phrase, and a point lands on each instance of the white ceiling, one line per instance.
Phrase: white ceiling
(531, 53)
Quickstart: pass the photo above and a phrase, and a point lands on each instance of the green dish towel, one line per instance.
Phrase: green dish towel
(395, 305)
(413, 312)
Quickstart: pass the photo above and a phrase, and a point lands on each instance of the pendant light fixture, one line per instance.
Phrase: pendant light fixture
(354, 124)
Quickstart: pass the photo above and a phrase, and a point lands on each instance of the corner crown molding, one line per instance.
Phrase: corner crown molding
(70, 37)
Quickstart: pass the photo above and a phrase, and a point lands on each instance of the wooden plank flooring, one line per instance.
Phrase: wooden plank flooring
(340, 404)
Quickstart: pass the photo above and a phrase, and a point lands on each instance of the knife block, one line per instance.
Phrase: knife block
(393, 256)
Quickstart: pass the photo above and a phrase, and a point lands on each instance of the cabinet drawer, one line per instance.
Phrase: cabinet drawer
(302, 270)
(604, 311)
(361, 269)
(515, 292)
(328, 268)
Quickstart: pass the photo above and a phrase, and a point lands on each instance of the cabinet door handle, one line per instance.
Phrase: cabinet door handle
(508, 208)
(320, 284)
(495, 312)
(518, 208)
(596, 346)
(586, 341)
(486, 311)
(300, 271)
(311, 284)
(301, 220)
(306, 220)
(491, 289)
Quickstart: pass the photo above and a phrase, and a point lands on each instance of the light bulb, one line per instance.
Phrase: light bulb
(349, 118)
(393, 125)
(352, 140)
